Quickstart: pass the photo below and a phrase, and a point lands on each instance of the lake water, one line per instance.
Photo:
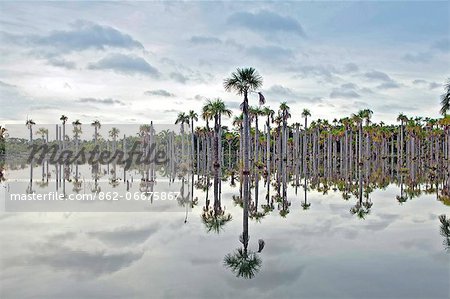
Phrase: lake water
(325, 251)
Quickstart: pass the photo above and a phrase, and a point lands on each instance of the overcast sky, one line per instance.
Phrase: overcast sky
(136, 62)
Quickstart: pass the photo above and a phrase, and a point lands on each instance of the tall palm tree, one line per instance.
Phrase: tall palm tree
(238, 122)
(30, 123)
(114, 133)
(255, 112)
(243, 82)
(402, 119)
(216, 108)
(358, 119)
(64, 119)
(96, 124)
(230, 138)
(285, 114)
(445, 99)
(305, 114)
(193, 116)
(366, 114)
(77, 129)
(269, 113)
(182, 119)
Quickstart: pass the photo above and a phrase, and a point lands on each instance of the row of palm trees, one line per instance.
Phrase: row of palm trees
(348, 142)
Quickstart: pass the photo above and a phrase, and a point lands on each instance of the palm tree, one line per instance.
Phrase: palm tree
(305, 114)
(255, 112)
(64, 119)
(238, 122)
(182, 119)
(3, 135)
(114, 133)
(193, 116)
(230, 138)
(216, 108)
(358, 119)
(30, 123)
(403, 119)
(445, 99)
(367, 115)
(269, 113)
(96, 124)
(243, 82)
(77, 129)
(44, 134)
(285, 114)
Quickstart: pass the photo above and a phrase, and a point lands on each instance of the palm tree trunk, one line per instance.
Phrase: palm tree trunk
(245, 171)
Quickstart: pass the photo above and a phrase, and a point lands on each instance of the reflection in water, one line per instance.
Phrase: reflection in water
(445, 230)
(244, 262)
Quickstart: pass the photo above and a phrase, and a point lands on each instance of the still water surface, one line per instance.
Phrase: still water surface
(325, 251)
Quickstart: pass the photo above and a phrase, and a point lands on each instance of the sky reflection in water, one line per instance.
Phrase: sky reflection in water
(321, 252)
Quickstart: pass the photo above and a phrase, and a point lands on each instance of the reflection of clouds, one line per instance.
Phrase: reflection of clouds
(198, 261)
(123, 236)
(419, 244)
(348, 233)
(384, 221)
(82, 262)
(388, 217)
(318, 254)
(272, 276)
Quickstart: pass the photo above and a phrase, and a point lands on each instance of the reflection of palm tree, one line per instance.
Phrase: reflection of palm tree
(243, 263)
(253, 209)
(401, 198)
(306, 205)
(445, 230)
(214, 219)
(361, 209)
(77, 186)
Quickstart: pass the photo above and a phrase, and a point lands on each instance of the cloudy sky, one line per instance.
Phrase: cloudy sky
(141, 61)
